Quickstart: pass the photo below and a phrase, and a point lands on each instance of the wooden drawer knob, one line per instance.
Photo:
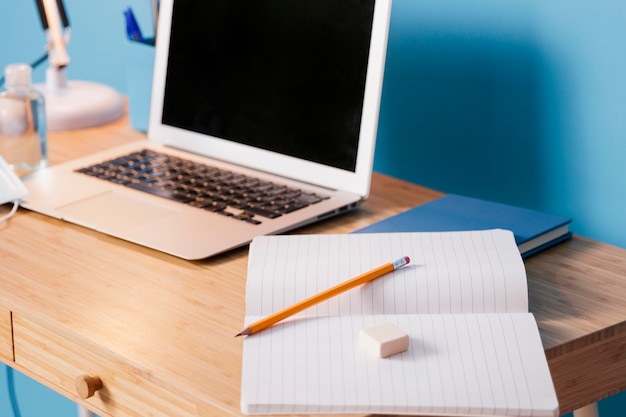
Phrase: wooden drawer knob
(86, 386)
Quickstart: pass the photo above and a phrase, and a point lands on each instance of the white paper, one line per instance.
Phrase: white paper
(474, 348)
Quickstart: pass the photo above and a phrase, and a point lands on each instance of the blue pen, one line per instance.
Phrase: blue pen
(132, 28)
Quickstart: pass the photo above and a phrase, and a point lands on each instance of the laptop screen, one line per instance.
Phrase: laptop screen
(286, 76)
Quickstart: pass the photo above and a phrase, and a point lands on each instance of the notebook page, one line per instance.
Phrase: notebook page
(484, 364)
(449, 272)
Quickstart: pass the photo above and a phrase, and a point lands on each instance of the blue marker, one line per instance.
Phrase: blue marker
(132, 28)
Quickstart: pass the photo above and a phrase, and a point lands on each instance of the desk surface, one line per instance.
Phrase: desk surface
(171, 322)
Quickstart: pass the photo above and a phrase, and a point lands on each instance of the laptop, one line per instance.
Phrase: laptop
(282, 94)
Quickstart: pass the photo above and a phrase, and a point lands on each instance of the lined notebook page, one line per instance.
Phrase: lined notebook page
(450, 272)
(484, 364)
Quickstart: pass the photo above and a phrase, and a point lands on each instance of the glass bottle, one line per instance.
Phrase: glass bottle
(22, 122)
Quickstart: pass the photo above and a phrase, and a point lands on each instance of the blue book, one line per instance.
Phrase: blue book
(533, 230)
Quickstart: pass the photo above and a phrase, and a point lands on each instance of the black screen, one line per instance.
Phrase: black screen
(281, 75)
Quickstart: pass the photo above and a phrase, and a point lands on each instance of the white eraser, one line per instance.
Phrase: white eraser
(384, 339)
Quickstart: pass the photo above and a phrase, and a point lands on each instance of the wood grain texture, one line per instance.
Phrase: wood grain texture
(127, 313)
(6, 335)
(576, 291)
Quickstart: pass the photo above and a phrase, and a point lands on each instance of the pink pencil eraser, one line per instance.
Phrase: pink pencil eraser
(384, 339)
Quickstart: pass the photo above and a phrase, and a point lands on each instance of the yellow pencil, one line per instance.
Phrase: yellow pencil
(324, 295)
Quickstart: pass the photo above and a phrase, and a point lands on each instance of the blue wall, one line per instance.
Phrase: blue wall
(520, 101)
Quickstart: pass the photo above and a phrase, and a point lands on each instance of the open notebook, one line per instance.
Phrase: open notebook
(474, 347)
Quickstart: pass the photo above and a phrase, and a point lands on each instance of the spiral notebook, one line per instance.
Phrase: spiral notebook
(474, 347)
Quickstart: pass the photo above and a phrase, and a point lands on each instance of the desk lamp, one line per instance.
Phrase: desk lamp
(71, 104)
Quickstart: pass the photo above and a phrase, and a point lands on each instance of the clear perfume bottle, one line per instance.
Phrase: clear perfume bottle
(22, 122)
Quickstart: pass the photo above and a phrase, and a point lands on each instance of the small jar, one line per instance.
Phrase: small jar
(22, 122)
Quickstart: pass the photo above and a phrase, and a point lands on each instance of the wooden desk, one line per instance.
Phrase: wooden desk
(159, 330)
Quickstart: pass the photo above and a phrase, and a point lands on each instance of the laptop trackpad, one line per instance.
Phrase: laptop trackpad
(113, 211)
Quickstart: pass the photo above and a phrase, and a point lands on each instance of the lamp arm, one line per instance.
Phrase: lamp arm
(53, 19)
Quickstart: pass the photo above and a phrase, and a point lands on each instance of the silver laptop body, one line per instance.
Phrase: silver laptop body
(287, 91)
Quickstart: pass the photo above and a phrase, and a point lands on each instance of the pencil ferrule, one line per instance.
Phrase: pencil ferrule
(400, 262)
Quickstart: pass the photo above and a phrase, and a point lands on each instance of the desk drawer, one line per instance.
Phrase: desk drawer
(58, 360)
(6, 335)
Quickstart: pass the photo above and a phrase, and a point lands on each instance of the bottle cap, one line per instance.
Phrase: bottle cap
(17, 76)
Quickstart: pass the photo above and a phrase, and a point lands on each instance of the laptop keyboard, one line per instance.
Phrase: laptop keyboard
(235, 195)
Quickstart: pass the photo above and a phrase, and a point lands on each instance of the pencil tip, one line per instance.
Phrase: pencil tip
(245, 332)
(407, 259)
